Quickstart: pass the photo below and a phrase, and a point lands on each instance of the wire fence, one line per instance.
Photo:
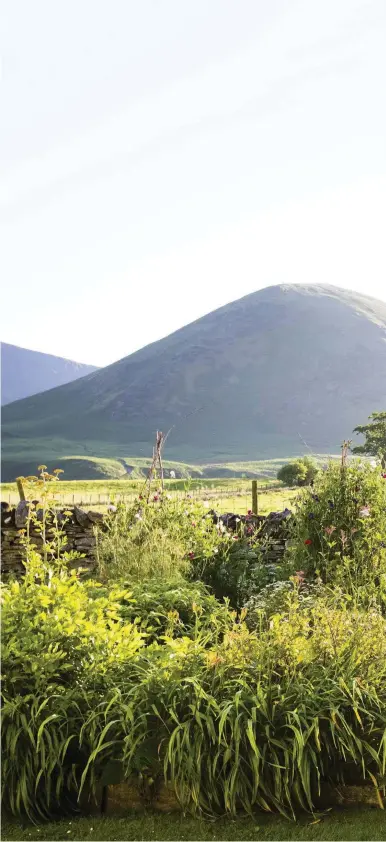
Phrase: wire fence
(236, 500)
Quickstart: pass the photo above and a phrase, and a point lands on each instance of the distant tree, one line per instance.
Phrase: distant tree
(375, 437)
(298, 472)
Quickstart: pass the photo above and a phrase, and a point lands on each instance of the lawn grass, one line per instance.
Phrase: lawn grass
(351, 824)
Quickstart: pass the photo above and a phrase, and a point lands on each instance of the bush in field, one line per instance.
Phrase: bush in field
(156, 539)
(298, 472)
(340, 532)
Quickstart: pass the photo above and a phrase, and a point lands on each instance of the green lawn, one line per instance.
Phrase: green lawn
(354, 824)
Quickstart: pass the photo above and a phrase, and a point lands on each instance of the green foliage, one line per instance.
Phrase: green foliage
(237, 569)
(276, 597)
(375, 437)
(259, 719)
(171, 607)
(155, 678)
(158, 539)
(340, 532)
(60, 647)
(298, 472)
(231, 718)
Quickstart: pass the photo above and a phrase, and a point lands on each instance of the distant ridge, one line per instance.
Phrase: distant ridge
(25, 372)
(254, 379)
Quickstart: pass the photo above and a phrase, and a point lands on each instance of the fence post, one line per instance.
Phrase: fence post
(19, 483)
(254, 497)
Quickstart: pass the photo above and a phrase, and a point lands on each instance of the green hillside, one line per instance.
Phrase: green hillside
(285, 368)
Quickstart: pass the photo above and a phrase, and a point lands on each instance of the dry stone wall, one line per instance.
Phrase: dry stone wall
(77, 525)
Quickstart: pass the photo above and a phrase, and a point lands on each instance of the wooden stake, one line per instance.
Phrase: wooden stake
(254, 497)
(345, 448)
(20, 488)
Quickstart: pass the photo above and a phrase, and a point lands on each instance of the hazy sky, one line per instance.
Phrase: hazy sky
(160, 158)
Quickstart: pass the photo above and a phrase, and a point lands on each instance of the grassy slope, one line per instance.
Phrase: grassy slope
(251, 380)
(365, 824)
(103, 461)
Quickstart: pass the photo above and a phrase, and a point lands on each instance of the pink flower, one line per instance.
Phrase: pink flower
(191, 555)
(235, 538)
(329, 530)
(155, 498)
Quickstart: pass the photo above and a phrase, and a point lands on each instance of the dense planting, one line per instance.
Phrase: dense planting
(192, 659)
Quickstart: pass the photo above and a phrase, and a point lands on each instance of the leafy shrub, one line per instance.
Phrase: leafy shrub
(227, 571)
(232, 718)
(172, 608)
(60, 648)
(275, 598)
(298, 472)
(158, 679)
(258, 720)
(239, 567)
(156, 539)
(375, 437)
(340, 531)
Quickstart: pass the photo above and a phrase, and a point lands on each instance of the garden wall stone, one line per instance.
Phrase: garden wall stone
(77, 525)
(125, 797)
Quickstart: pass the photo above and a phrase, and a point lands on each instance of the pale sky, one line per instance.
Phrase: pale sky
(160, 158)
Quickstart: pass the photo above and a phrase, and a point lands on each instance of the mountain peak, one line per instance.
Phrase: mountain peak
(251, 380)
(25, 372)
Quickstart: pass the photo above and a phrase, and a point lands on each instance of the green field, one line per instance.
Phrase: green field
(98, 460)
(233, 495)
